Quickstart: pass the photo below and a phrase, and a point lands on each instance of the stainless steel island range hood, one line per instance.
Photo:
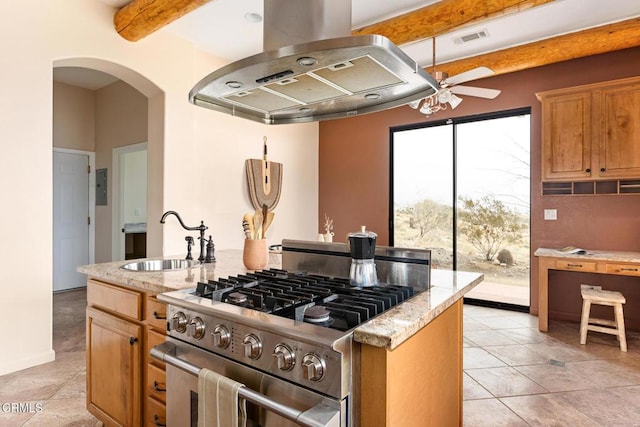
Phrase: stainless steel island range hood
(311, 70)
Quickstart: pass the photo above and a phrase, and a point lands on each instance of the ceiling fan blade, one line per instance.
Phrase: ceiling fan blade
(467, 76)
(480, 92)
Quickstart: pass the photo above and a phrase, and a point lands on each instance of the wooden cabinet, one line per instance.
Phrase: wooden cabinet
(619, 133)
(156, 315)
(566, 141)
(113, 368)
(124, 386)
(419, 383)
(591, 132)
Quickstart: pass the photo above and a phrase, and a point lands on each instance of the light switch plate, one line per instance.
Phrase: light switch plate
(550, 214)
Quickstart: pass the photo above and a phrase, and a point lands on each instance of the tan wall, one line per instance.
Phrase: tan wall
(73, 117)
(99, 121)
(121, 119)
(354, 170)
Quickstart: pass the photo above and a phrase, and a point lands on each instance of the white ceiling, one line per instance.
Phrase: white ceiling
(213, 25)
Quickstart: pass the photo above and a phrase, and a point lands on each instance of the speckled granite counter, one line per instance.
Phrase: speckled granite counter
(228, 262)
(387, 330)
(395, 326)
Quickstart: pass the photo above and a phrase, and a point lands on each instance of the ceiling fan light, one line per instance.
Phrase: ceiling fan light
(415, 104)
(426, 109)
(444, 96)
(454, 101)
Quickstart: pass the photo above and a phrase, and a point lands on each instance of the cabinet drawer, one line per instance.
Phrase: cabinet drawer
(577, 265)
(156, 413)
(114, 298)
(153, 339)
(157, 383)
(156, 314)
(625, 269)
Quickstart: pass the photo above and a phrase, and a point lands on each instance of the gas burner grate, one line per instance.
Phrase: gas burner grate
(289, 295)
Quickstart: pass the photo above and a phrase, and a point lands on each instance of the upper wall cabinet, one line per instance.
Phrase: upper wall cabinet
(591, 132)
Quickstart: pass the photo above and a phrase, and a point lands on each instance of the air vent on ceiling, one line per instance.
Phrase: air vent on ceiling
(482, 34)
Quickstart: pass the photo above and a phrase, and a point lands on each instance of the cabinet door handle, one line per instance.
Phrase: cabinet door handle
(156, 421)
(133, 340)
(158, 316)
(587, 170)
(156, 386)
(574, 265)
(603, 169)
(628, 269)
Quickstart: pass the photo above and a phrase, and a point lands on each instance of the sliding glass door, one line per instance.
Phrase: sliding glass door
(461, 188)
(423, 191)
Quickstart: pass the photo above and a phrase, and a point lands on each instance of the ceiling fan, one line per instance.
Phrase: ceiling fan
(449, 88)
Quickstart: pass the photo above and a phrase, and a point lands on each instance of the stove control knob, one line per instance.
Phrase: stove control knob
(284, 357)
(195, 328)
(179, 322)
(221, 336)
(252, 346)
(313, 367)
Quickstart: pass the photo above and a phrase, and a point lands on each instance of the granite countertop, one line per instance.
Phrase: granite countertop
(388, 330)
(395, 326)
(594, 255)
(228, 263)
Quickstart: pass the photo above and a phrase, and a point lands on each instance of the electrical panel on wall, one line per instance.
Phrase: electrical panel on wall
(101, 187)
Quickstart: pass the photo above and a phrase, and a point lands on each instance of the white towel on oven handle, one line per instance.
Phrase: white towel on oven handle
(218, 401)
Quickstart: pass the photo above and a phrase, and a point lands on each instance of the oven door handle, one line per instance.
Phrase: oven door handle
(320, 415)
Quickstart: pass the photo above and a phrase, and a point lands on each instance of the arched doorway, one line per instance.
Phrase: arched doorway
(85, 70)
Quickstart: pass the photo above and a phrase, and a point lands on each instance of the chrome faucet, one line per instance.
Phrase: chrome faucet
(201, 228)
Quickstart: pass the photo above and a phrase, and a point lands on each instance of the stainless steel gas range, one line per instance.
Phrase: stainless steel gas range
(286, 334)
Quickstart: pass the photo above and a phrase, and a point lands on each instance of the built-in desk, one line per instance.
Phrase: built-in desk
(604, 262)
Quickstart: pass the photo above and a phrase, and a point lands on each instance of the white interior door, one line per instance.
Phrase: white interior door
(71, 215)
(129, 193)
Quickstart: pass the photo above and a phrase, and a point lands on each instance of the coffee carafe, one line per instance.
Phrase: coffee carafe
(363, 247)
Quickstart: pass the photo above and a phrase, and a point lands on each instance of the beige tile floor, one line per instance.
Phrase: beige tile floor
(53, 394)
(513, 374)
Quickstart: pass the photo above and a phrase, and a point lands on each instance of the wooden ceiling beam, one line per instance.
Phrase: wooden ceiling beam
(593, 41)
(443, 17)
(140, 18)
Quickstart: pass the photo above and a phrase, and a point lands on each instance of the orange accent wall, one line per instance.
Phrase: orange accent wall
(354, 172)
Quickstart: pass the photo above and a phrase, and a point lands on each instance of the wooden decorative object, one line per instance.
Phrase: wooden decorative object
(255, 255)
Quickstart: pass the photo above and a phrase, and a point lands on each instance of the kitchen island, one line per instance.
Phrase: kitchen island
(410, 356)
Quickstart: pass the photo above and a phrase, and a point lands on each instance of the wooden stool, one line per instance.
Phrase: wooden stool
(610, 298)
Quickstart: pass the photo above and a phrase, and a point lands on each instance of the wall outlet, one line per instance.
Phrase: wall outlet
(550, 214)
(137, 211)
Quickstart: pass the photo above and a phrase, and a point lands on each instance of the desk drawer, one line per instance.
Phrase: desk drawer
(577, 265)
(625, 269)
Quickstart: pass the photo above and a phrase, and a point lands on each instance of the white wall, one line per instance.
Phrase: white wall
(201, 175)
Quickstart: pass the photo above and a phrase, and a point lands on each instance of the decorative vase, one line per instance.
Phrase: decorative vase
(255, 254)
(328, 237)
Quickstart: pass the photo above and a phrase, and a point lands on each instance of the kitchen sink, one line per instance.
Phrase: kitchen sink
(160, 265)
